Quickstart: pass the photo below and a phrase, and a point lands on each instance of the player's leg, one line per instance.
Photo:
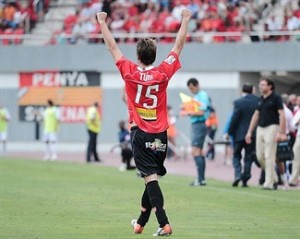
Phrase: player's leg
(139, 224)
(157, 202)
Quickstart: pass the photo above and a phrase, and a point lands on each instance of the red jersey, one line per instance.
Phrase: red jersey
(146, 90)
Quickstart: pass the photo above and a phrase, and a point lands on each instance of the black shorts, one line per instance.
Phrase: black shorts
(149, 151)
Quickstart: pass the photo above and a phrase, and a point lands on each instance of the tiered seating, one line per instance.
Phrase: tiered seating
(19, 17)
(234, 19)
(131, 17)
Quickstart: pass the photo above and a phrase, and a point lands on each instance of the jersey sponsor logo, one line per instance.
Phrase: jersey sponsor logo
(157, 145)
(170, 60)
(147, 114)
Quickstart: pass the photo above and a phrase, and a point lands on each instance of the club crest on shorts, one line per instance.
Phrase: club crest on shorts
(157, 145)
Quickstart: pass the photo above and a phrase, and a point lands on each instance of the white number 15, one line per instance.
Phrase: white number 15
(148, 94)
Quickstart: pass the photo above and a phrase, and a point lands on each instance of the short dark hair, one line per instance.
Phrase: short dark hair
(50, 102)
(192, 81)
(247, 88)
(146, 51)
(269, 82)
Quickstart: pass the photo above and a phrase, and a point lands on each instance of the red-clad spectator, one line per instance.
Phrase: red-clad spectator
(232, 14)
(132, 25)
(133, 10)
(159, 23)
(296, 12)
(209, 16)
(212, 9)
(70, 20)
(33, 17)
(207, 23)
(238, 27)
(216, 22)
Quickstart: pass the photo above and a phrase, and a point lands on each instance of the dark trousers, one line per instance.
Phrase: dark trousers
(92, 147)
(244, 174)
(126, 154)
(210, 154)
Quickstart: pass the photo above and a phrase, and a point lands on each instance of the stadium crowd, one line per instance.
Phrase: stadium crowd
(213, 20)
(19, 17)
(232, 19)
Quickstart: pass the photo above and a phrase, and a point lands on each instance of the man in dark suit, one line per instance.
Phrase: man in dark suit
(244, 108)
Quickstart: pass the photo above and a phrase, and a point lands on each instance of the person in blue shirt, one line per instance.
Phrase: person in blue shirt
(199, 129)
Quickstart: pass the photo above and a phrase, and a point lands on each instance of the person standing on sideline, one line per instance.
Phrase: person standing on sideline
(51, 118)
(93, 124)
(199, 129)
(293, 180)
(244, 108)
(146, 91)
(281, 165)
(4, 119)
(270, 121)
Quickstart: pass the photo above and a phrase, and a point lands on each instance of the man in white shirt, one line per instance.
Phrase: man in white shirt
(293, 181)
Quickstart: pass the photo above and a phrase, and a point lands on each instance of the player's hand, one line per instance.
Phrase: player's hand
(186, 14)
(101, 17)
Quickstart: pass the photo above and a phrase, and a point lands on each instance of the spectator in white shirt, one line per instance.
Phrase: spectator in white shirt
(293, 181)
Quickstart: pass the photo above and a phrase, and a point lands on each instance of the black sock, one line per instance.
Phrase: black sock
(146, 209)
(157, 202)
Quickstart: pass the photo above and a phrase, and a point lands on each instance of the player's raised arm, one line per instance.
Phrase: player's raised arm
(181, 35)
(108, 38)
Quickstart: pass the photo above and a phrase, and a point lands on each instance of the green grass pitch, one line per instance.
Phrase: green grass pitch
(47, 200)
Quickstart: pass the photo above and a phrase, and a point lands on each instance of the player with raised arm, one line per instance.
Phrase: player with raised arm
(146, 93)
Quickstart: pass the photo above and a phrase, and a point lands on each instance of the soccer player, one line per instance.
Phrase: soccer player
(51, 118)
(146, 87)
(4, 118)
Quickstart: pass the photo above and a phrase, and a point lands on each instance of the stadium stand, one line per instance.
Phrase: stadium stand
(18, 17)
(73, 21)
